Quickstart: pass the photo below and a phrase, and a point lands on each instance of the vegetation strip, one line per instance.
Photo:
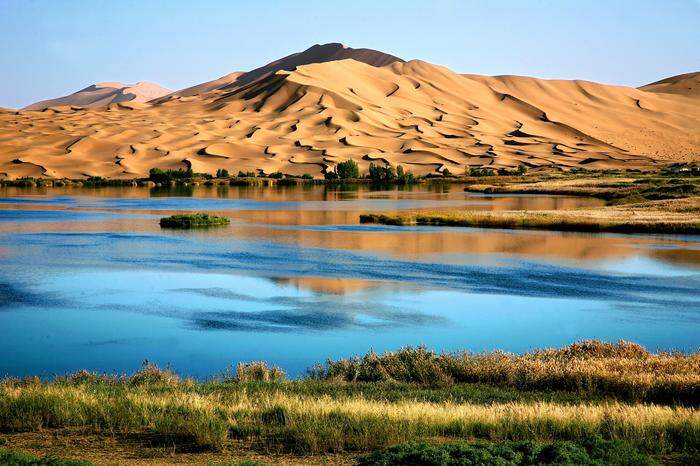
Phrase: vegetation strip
(679, 216)
(257, 409)
(186, 221)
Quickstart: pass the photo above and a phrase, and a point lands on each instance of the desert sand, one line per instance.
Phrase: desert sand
(103, 94)
(306, 112)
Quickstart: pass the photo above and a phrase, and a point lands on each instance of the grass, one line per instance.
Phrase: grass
(14, 458)
(589, 390)
(197, 220)
(620, 190)
(678, 216)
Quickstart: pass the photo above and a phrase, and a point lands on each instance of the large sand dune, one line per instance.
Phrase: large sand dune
(309, 117)
(102, 94)
(684, 84)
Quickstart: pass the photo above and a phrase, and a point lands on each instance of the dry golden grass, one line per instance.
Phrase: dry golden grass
(668, 216)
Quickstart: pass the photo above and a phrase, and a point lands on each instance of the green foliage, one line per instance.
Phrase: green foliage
(242, 174)
(347, 170)
(385, 174)
(595, 452)
(306, 176)
(11, 458)
(446, 172)
(277, 175)
(166, 176)
(222, 173)
(193, 221)
(477, 172)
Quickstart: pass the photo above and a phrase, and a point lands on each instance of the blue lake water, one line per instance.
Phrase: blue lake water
(89, 280)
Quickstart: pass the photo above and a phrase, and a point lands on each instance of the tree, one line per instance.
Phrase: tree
(222, 173)
(347, 170)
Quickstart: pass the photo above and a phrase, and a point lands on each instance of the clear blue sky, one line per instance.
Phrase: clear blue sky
(50, 48)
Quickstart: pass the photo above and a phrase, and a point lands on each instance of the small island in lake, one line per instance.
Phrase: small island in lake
(187, 221)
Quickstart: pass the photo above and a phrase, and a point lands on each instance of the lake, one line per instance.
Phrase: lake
(89, 280)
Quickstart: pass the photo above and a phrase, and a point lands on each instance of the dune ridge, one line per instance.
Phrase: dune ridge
(103, 94)
(308, 118)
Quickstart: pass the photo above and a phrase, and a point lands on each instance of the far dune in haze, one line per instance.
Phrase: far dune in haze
(103, 94)
(305, 118)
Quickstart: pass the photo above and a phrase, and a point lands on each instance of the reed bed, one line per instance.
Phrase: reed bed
(622, 370)
(257, 409)
(280, 422)
(676, 217)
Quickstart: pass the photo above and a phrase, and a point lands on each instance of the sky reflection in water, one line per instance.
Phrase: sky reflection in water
(92, 282)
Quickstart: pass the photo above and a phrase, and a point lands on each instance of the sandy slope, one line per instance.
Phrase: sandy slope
(422, 116)
(684, 84)
(314, 54)
(102, 94)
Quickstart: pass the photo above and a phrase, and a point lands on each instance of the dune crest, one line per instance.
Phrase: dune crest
(308, 118)
(687, 84)
(103, 94)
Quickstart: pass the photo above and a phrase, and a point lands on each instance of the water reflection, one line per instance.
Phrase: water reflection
(295, 278)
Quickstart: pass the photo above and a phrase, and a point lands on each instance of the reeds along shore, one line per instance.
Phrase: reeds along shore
(587, 390)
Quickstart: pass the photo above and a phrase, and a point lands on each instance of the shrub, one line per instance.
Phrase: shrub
(306, 176)
(474, 171)
(277, 175)
(594, 453)
(242, 174)
(222, 173)
(193, 221)
(258, 371)
(446, 172)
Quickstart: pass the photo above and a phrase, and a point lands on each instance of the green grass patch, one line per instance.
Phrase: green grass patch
(13, 458)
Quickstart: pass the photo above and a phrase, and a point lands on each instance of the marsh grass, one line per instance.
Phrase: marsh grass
(362, 404)
(668, 216)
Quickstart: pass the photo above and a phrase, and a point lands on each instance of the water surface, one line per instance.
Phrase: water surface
(89, 280)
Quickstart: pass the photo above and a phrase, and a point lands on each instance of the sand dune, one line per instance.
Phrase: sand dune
(103, 94)
(315, 54)
(684, 84)
(305, 120)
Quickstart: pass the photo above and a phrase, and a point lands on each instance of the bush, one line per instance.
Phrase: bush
(242, 174)
(192, 221)
(596, 452)
(347, 170)
(474, 171)
(277, 175)
(258, 372)
(306, 176)
(222, 173)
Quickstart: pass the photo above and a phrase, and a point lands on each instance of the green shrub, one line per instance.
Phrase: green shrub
(222, 173)
(306, 176)
(595, 452)
(193, 221)
(477, 172)
(277, 175)
(11, 458)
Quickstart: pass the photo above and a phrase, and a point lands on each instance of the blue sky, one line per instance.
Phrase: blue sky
(50, 48)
